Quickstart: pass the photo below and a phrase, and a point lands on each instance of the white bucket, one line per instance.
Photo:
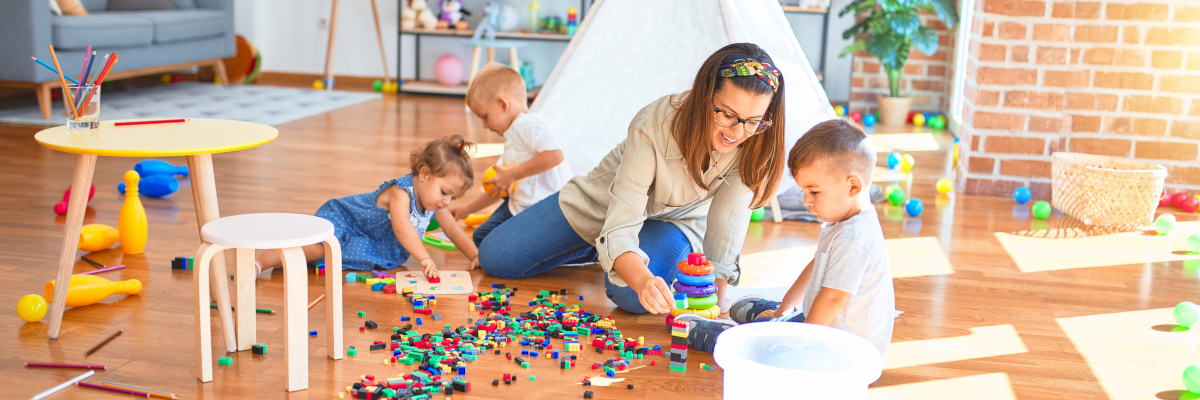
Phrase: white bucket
(766, 360)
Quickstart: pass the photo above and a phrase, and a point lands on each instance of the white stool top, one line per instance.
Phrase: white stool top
(267, 231)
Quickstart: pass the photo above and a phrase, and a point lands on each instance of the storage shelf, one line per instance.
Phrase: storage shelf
(803, 10)
(504, 35)
(433, 87)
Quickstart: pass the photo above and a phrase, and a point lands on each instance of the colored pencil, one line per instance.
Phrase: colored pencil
(113, 389)
(51, 68)
(154, 393)
(86, 72)
(257, 310)
(100, 79)
(98, 346)
(155, 121)
(68, 102)
(45, 365)
(93, 262)
(314, 302)
(96, 271)
(63, 385)
(79, 102)
(83, 70)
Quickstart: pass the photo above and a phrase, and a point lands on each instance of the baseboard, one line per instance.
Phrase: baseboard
(293, 79)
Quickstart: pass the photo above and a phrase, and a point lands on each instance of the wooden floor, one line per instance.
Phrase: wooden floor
(991, 308)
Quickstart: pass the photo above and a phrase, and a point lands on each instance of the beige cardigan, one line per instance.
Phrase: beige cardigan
(644, 177)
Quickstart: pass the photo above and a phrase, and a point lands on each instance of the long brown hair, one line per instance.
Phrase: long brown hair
(761, 161)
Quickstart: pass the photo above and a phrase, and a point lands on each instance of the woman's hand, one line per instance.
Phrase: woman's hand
(655, 296)
(430, 268)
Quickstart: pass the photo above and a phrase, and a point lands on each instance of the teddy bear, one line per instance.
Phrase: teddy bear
(415, 14)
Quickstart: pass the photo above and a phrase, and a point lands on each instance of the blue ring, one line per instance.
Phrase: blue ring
(706, 279)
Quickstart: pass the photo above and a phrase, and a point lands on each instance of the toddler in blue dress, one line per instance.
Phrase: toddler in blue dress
(383, 228)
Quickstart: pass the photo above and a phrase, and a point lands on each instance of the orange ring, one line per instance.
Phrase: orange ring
(696, 270)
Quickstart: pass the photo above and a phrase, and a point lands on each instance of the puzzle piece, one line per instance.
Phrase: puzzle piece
(435, 280)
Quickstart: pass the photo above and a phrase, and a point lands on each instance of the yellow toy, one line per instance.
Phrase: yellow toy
(89, 289)
(906, 162)
(477, 219)
(318, 85)
(96, 237)
(31, 308)
(945, 185)
(919, 119)
(955, 153)
(131, 225)
(487, 187)
(711, 312)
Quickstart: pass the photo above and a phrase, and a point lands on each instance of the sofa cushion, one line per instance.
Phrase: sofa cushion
(140, 5)
(104, 30)
(94, 5)
(184, 4)
(182, 25)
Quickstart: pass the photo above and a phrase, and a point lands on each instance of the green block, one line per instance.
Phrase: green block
(352, 352)
(395, 329)
(525, 364)
(389, 393)
(362, 313)
(680, 369)
(531, 378)
(362, 278)
(225, 361)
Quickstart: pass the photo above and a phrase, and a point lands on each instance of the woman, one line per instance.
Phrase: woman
(685, 180)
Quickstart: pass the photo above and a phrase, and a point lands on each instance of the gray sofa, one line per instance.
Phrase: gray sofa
(148, 42)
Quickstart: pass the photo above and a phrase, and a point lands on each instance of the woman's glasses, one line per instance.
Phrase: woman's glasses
(726, 120)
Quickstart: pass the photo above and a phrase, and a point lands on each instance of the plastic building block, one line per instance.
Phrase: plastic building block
(418, 321)
(403, 318)
(371, 324)
(312, 333)
(437, 317)
(495, 382)
(630, 386)
(352, 277)
(580, 298)
(362, 314)
(352, 351)
(225, 361)
(587, 394)
(531, 378)
(259, 348)
(435, 280)
(378, 346)
(462, 370)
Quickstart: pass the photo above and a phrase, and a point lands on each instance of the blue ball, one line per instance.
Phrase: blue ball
(1022, 195)
(869, 119)
(893, 160)
(914, 207)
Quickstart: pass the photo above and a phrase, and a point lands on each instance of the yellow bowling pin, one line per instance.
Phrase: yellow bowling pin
(90, 289)
(131, 225)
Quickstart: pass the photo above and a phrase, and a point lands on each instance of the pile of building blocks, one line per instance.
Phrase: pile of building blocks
(319, 268)
(184, 263)
(695, 290)
(679, 346)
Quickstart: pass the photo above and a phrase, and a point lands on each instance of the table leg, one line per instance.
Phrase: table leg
(85, 165)
(204, 194)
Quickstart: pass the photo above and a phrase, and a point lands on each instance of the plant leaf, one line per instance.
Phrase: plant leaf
(886, 48)
(860, 27)
(857, 6)
(946, 11)
(926, 40)
(853, 48)
(904, 22)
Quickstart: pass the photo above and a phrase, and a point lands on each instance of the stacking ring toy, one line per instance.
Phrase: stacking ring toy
(696, 280)
(711, 312)
(694, 291)
(702, 302)
(695, 270)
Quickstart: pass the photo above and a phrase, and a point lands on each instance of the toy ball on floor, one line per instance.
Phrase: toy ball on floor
(391, 88)
(907, 162)
(1164, 200)
(1191, 378)
(31, 308)
(757, 214)
(318, 85)
(919, 120)
(945, 185)
(938, 122)
(377, 86)
(1165, 223)
(914, 207)
(840, 110)
(895, 195)
(1022, 195)
(1186, 314)
(1178, 199)
(1193, 243)
(909, 118)
(893, 160)
(1190, 204)
(856, 117)
(449, 70)
(1041, 209)
(869, 119)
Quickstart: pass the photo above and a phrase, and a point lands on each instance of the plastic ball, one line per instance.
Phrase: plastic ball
(1165, 223)
(1191, 378)
(909, 118)
(841, 112)
(869, 119)
(919, 120)
(449, 70)
(893, 160)
(1178, 199)
(1186, 314)
(1190, 204)
(488, 174)
(165, 78)
(1041, 209)
(945, 185)
(377, 86)
(906, 162)
(1165, 200)
(895, 195)
(318, 85)
(757, 214)
(938, 122)
(1193, 243)
(955, 153)
(1022, 195)
(856, 116)
(31, 308)
(914, 207)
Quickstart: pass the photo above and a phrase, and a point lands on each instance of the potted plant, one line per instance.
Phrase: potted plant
(890, 29)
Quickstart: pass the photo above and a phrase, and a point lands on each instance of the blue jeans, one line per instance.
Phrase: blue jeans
(540, 239)
(498, 217)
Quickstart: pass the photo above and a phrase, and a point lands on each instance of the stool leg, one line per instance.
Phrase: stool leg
(295, 318)
(491, 55)
(474, 63)
(246, 324)
(513, 61)
(333, 295)
(200, 282)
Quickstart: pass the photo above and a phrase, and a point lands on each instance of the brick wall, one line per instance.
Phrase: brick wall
(1118, 78)
(926, 78)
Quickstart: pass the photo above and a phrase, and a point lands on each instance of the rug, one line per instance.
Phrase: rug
(266, 105)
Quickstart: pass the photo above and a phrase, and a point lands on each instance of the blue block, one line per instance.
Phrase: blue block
(312, 333)
(418, 321)
(525, 352)
(657, 348)
(352, 277)
(462, 370)
(494, 286)
(554, 355)
(580, 298)
(403, 318)
(533, 354)
(610, 374)
(418, 303)
(378, 286)
(430, 298)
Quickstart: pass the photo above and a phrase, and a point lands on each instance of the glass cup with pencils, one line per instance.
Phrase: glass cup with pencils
(82, 105)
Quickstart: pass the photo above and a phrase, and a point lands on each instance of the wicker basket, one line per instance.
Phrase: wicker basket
(1106, 191)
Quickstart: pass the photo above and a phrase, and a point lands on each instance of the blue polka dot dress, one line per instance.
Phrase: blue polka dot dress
(365, 230)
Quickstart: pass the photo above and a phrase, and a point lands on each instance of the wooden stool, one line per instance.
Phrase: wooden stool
(286, 232)
(491, 46)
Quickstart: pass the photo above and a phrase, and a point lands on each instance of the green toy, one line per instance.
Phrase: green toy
(229, 361)
(1164, 224)
(1041, 209)
(895, 195)
(1191, 378)
(758, 214)
(1194, 243)
(1186, 314)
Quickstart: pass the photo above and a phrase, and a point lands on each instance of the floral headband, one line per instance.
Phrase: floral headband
(743, 65)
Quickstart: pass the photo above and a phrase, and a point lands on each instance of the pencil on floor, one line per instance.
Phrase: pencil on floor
(93, 262)
(63, 385)
(152, 392)
(314, 302)
(101, 344)
(257, 310)
(113, 389)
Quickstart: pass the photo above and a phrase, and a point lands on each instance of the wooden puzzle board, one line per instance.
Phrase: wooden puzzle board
(453, 282)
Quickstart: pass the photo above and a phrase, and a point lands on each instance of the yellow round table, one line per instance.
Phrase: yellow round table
(197, 139)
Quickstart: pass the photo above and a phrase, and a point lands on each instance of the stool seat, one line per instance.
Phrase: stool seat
(267, 231)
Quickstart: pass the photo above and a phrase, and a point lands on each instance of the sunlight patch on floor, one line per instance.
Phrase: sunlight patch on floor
(1135, 354)
(984, 341)
(975, 387)
(888, 142)
(484, 150)
(1034, 254)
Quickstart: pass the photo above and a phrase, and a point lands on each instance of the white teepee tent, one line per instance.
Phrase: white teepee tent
(628, 53)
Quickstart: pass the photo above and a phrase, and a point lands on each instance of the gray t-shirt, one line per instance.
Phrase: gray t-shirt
(851, 257)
